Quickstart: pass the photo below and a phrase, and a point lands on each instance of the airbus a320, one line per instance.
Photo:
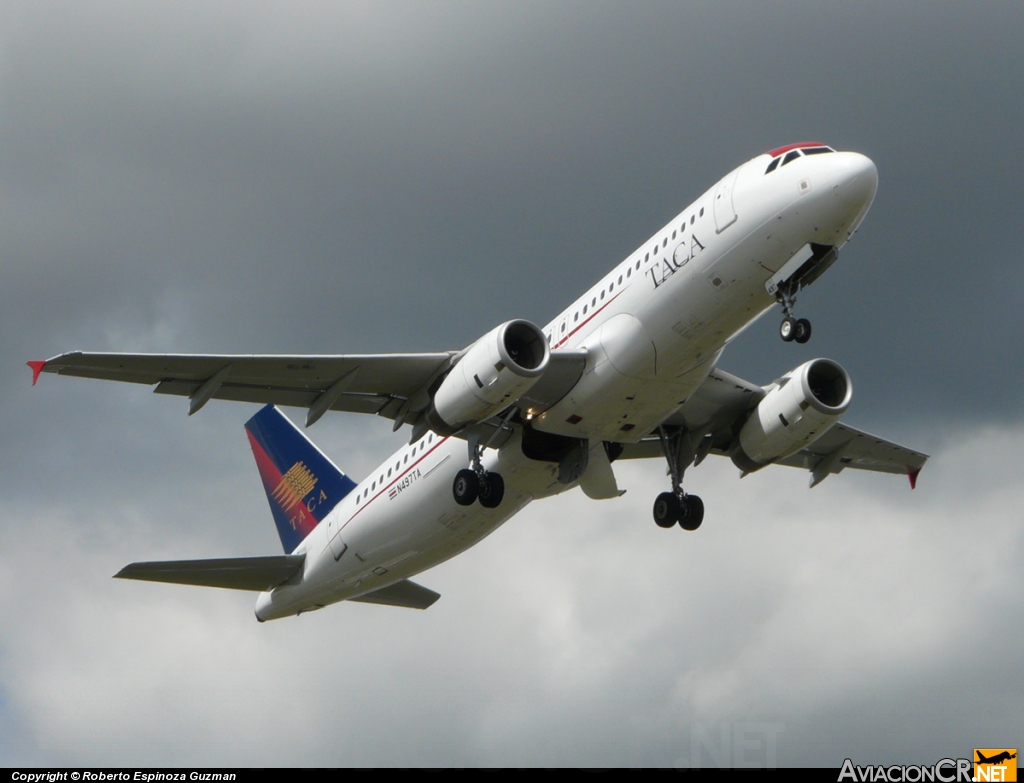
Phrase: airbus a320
(629, 370)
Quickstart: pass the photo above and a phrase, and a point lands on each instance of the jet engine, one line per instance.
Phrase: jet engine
(794, 414)
(492, 373)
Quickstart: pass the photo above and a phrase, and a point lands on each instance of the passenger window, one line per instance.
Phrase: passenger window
(655, 250)
(620, 279)
(373, 485)
(664, 242)
(691, 219)
(602, 293)
(638, 264)
(593, 302)
(575, 316)
(701, 212)
(629, 271)
(585, 309)
(673, 234)
(563, 326)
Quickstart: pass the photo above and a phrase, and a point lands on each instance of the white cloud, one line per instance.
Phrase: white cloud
(578, 633)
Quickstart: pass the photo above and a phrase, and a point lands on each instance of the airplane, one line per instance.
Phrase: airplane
(628, 371)
(996, 759)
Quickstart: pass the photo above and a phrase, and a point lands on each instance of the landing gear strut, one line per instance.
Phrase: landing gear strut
(677, 506)
(791, 328)
(475, 482)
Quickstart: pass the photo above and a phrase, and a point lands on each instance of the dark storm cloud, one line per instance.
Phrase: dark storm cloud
(397, 177)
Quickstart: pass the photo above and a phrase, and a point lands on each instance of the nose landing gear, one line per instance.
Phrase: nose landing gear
(792, 328)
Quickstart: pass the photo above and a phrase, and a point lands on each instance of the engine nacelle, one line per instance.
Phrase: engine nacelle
(793, 415)
(493, 372)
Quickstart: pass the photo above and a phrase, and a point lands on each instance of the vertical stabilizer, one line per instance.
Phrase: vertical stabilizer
(302, 484)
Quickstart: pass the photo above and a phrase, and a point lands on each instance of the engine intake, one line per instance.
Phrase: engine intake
(490, 375)
(796, 412)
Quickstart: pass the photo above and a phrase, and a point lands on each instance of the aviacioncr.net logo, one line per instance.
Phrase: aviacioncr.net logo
(943, 771)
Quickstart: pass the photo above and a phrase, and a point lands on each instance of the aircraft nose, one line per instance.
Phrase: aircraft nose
(856, 179)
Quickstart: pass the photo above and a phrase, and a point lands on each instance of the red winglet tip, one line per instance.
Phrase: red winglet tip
(37, 367)
(912, 475)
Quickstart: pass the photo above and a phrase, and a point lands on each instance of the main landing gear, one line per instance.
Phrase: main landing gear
(792, 328)
(677, 506)
(687, 510)
(475, 483)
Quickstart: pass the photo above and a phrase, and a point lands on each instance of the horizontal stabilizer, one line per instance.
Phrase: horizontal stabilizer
(236, 573)
(404, 593)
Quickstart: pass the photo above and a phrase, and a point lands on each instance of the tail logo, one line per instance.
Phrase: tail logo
(294, 486)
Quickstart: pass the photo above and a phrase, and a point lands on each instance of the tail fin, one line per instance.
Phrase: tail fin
(302, 484)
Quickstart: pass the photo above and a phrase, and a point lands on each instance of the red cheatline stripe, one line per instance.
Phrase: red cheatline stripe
(397, 477)
(798, 145)
(586, 321)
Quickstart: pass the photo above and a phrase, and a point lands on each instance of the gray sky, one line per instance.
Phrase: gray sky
(368, 177)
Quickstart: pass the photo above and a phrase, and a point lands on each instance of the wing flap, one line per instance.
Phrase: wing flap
(404, 593)
(293, 398)
(235, 573)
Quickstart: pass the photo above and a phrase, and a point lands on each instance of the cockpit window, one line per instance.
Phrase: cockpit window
(793, 151)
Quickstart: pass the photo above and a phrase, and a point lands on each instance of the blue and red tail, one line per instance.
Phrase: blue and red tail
(302, 484)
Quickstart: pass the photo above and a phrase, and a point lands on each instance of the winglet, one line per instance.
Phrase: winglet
(37, 367)
(912, 475)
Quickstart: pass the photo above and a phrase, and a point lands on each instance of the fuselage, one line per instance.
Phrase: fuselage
(653, 328)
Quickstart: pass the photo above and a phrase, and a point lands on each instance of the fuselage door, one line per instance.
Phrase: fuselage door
(725, 212)
(561, 331)
(338, 546)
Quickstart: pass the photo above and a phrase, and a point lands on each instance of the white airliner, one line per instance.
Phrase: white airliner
(628, 370)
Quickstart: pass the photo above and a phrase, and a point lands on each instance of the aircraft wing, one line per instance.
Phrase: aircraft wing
(844, 446)
(395, 386)
(236, 573)
(376, 383)
(723, 398)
